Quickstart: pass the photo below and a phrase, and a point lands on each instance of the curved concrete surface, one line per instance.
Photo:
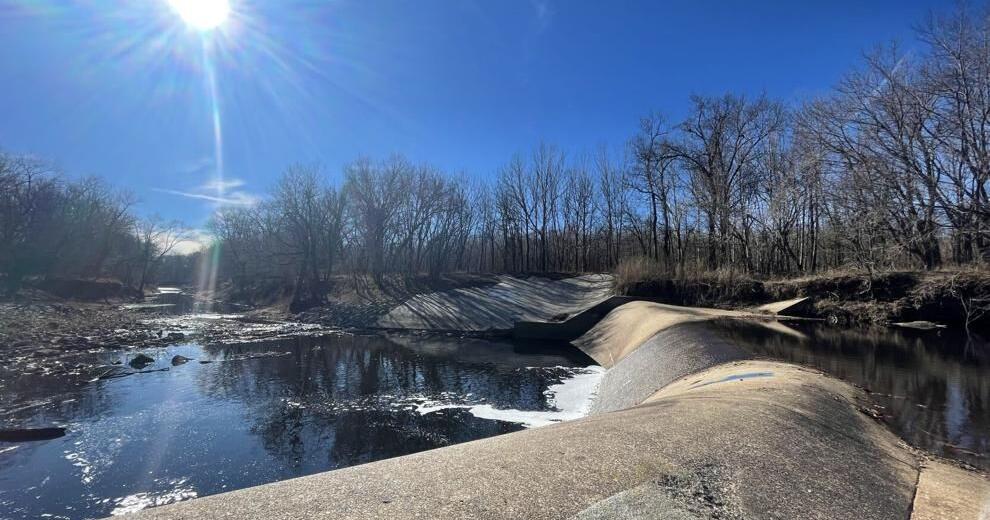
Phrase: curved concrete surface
(785, 306)
(671, 353)
(628, 327)
(947, 492)
(736, 439)
(499, 306)
(790, 444)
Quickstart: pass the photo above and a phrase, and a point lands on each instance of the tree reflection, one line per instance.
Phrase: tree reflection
(932, 386)
(338, 401)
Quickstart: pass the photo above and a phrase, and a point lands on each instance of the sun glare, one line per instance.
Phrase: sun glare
(202, 15)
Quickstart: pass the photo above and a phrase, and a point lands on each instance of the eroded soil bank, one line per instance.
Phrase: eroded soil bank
(948, 297)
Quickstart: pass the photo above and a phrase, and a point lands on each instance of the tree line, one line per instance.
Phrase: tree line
(888, 169)
(54, 227)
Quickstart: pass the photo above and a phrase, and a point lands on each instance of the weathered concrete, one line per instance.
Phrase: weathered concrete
(697, 437)
(793, 306)
(949, 493)
(574, 326)
(628, 327)
(681, 349)
(500, 306)
(788, 446)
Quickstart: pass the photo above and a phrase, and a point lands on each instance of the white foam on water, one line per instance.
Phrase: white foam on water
(213, 316)
(178, 491)
(571, 399)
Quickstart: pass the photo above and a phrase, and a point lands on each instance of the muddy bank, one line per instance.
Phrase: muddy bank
(49, 329)
(44, 333)
(347, 315)
(54, 339)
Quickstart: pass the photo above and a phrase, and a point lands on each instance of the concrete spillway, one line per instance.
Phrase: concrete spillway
(683, 427)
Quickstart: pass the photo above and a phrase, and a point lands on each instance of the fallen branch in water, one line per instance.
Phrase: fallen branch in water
(108, 375)
(31, 434)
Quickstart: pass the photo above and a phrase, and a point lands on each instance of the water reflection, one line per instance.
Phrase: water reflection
(934, 387)
(243, 415)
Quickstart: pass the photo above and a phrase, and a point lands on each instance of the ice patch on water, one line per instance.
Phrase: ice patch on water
(571, 399)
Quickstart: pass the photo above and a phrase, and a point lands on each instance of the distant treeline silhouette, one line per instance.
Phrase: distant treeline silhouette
(53, 227)
(889, 169)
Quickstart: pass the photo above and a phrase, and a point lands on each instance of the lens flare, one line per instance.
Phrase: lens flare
(210, 260)
(202, 15)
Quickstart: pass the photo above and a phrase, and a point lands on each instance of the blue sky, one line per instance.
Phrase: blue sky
(120, 89)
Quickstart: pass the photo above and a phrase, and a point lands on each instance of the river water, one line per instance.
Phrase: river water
(933, 387)
(241, 415)
(246, 414)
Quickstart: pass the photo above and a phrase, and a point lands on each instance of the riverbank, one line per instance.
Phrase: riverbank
(41, 331)
(950, 297)
(48, 329)
(348, 301)
(49, 337)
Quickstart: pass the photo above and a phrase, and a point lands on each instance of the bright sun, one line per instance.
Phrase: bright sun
(202, 15)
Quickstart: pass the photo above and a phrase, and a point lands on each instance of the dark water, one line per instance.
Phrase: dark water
(264, 412)
(253, 414)
(934, 387)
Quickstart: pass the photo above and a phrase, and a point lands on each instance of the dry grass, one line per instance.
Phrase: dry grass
(632, 271)
(721, 288)
(637, 269)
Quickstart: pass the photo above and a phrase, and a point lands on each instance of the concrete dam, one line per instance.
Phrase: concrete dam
(685, 425)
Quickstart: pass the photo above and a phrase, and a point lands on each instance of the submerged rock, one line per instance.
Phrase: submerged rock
(179, 360)
(141, 360)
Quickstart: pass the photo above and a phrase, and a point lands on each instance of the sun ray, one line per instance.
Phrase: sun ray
(202, 15)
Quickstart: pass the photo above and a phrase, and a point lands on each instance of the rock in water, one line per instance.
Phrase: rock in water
(179, 360)
(919, 325)
(141, 360)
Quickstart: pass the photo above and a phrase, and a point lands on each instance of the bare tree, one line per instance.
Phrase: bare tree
(376, 193)
(158, 238)
(614, 202)
(724, 140)
(653, 177)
